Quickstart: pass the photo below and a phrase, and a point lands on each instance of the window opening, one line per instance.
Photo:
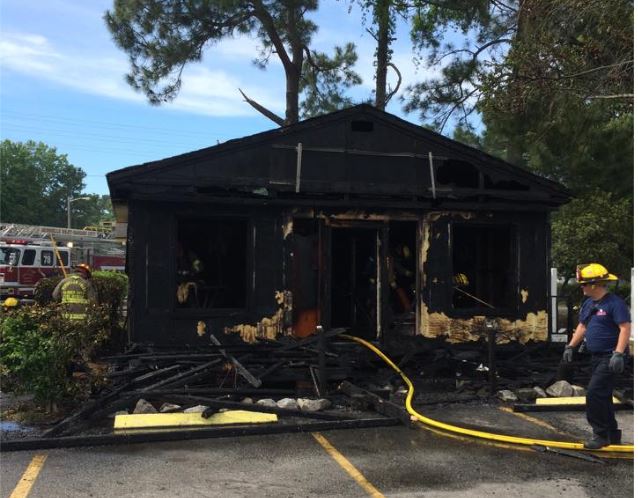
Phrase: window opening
(211, 263)
(483, 267)
(28, 258)
(9, 256)
(64, 256)
(402, 274)
(458, 174)
(354, 280)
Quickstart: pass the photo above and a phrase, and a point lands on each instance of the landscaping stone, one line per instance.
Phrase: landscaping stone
(560, 389)
(506, 395)
(540, 392)
(289, 403)
(247, 401)
(526, 394)
(267, 402)
(312, 405)
(579, 390)
(144, 406)
(169, 407)
(196, 409)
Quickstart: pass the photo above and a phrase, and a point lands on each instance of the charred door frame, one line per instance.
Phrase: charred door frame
(381, 229)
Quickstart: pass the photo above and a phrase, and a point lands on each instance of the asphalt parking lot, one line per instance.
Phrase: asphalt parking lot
(394, 461)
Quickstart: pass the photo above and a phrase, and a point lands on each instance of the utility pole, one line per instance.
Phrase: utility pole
(69, 200)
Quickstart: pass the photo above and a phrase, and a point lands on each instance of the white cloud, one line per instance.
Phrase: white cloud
(204, 91)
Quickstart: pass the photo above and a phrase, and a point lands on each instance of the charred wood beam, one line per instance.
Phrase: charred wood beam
(241, 370)
(190, 375)
(91, 407)
(382, 406)
(183, 435)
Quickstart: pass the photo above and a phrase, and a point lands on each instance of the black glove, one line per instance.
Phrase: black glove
(617, 363)
(568, 354)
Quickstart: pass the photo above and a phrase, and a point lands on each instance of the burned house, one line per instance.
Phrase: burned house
(356, 219)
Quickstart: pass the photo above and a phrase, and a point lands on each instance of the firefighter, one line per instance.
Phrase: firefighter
(76, 292)
(605, 324)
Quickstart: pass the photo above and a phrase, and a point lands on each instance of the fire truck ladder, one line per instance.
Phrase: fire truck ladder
(18, 231)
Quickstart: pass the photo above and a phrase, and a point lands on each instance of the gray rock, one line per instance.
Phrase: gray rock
(144, 406)
(579, 390)
(289, 403)
(560, 389)
(540, 392)
(527, 394)
(247, 401)
(119, 412)
(169, 407)
(196, 409)
(270, 403)
(312, 405)
(506, 395)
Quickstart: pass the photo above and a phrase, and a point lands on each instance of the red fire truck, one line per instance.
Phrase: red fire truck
(24, 261)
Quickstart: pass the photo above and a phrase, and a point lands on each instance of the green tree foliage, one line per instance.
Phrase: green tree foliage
(323, 80)
(92, 211)
(517, 55)
(594, 228)
(35, 182)
(162, 36)
(553, 82)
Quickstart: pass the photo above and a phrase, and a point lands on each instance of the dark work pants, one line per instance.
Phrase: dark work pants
(600, 408)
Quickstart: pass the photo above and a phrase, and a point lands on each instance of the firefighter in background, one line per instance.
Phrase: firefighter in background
(605, 324)
(401, 278)
(76, 292)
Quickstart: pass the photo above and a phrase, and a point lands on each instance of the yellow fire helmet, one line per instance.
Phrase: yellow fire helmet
(593, 272)
(10, 302)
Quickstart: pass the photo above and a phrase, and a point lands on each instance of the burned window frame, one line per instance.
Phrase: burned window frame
(249, 255)
(514, 264)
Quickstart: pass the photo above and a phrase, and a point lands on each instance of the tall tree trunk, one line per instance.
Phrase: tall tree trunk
(382, 15)
(292, 97)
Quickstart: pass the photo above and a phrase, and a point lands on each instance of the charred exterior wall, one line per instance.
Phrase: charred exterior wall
(155, 314)
(503, 250)
(522, 317)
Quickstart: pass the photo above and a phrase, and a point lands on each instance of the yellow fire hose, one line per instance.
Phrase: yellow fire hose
(475, 433)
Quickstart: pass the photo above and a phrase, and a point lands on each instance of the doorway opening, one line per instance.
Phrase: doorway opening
(354, 295)
(402, 276)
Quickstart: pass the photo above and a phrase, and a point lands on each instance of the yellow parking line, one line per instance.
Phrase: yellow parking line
(345, 464)
(28, 478)
(534, 420)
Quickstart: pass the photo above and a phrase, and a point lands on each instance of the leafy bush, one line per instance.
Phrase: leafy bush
(111, 288)
(38, 348)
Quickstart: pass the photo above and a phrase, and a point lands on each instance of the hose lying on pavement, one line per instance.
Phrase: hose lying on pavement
(616, 448)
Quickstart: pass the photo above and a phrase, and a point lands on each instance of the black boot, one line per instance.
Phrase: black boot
(596, 442)
(615, 436)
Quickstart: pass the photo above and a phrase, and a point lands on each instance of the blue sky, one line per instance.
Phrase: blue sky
(62, 82)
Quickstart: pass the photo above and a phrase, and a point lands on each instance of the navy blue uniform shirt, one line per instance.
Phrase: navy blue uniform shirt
(602, 319)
